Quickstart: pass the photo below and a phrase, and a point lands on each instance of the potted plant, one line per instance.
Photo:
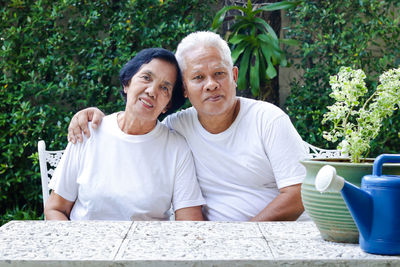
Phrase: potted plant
(255, 46)
(356, 120)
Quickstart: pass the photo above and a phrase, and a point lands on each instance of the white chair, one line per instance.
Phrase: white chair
(316, 152)
(48, 161)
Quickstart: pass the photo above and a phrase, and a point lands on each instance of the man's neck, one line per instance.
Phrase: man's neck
(218, 123)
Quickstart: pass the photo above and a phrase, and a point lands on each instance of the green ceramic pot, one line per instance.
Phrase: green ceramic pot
(328, 210)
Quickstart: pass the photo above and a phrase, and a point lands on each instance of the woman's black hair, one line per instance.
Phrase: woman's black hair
(144, 57)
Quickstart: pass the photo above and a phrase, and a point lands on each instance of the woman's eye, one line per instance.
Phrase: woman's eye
(145, 77)
(165, 90)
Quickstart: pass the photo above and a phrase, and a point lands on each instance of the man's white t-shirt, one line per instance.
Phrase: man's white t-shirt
(116, 176)
(241, 170)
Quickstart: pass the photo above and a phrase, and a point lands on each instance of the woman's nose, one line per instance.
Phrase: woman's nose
(150, 90)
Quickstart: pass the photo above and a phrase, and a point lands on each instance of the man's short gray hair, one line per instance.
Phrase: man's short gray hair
(205, 39)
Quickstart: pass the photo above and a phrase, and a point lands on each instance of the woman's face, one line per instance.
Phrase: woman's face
(150, 89)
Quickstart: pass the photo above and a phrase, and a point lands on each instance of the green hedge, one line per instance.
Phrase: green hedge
(361, 34)
(58, 57)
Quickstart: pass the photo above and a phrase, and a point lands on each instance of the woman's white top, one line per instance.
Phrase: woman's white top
(116, 176)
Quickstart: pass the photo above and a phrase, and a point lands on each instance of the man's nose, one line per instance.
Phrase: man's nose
(211, 84)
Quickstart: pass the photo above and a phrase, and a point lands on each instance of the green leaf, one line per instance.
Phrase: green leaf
(273, 44)
(263, 63)
(267, 27)
(243, 69)
(279, 6)
(249, 7)
(271, 72)
(240, 25)
(283, 61)
(220, 16)
(254, 73)
(238, 51)
(238, 38)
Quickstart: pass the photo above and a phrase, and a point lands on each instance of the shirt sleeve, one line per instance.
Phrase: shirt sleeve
(187, 191)
(285, 149)
(167, 121)
(64, 180)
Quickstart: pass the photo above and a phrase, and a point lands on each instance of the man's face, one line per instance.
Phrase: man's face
(210, 83)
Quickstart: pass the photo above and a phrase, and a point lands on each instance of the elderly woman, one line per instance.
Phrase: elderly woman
(133, 167)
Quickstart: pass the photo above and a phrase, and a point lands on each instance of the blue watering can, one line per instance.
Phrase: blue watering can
(375, 207)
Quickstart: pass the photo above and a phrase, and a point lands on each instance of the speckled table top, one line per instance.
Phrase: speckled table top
(101, 243)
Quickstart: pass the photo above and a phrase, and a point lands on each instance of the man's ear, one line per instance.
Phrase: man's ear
(235, 72)
(126, 89)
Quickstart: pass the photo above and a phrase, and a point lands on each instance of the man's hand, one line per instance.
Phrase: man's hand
(79, 123)
(287, 206)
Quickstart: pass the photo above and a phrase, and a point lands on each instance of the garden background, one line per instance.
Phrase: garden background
(57, 57)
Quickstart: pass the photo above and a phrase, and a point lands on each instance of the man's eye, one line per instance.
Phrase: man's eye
(219, 73)
(146, 77)
(198, 77)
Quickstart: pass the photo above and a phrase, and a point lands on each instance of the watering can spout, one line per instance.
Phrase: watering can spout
(358, 201)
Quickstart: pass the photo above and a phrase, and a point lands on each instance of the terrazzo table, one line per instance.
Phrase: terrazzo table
(100, 243)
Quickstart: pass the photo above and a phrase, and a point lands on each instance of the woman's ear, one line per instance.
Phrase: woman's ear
(185, 91)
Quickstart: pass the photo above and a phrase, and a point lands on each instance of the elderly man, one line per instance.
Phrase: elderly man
(246, 152)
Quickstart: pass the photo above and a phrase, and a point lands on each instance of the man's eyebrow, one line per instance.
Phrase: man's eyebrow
(198, 68)
(195, 69)
(221, 67)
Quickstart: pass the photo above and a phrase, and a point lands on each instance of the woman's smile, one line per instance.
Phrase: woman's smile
(146, 103)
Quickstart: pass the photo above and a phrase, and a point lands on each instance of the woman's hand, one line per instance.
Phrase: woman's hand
(79, 123)
(57, 208)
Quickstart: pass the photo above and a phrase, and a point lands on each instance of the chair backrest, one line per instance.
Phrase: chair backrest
(48, 161)
(316, 152)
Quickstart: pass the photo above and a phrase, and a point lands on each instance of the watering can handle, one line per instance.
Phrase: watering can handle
(384, 158)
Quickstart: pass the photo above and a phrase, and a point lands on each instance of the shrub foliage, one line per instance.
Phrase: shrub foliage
(57, 57)
(359, 34)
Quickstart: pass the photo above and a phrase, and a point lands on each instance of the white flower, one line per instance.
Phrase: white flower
(355, 119)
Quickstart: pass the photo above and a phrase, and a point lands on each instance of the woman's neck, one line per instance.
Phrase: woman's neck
(130, 124)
